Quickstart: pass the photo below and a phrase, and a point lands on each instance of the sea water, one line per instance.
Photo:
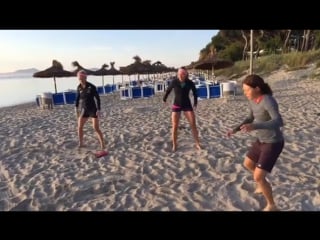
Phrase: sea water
(19, 90)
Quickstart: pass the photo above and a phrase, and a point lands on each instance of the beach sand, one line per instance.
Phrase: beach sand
(41, 168)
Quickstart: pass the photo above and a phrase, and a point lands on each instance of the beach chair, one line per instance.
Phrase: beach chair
(108, 88)
(228, 89)
(159, 86)
(70, 97)
(46, 100)
(147, 91)
(215, 91)
(38, 98)
(100, 90)
(58, 98)
(125, 93)
(137, 92)
(202, 92)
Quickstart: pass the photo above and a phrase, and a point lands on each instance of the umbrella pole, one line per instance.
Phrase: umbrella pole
(212, 73)
(103, 84)
(55, 85)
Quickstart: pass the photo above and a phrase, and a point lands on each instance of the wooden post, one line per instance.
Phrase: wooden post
(251, 51)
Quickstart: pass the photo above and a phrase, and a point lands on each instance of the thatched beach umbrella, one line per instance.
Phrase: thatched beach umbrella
(190, 66)
(112, 71)
(102, 72)
(211, 62)
(136, 68)
(56, 70)
(159, 67)
(79, 67)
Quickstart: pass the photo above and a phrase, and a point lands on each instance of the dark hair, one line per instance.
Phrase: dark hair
(254, 81)
(185, 69)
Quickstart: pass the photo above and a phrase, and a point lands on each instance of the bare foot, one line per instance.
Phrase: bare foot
(198, 146)
(271, 208)
(81, 145)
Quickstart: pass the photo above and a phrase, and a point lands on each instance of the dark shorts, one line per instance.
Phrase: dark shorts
(85, 113)
(176, 108)
(265, 155)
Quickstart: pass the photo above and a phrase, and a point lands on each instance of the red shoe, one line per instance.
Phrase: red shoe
(101, 153)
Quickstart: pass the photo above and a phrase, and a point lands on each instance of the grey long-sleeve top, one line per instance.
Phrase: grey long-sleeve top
(266, 120)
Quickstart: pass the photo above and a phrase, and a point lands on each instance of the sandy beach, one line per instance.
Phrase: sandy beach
(42, 169)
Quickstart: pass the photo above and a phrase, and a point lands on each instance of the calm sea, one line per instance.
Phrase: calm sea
(18, 90)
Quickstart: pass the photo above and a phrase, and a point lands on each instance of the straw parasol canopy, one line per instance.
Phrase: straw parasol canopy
(79, 67)
(211, 62)
(136, 68)
(56, 70)
(102, 72)
(159, 67)
(191, 65)
(112, 71)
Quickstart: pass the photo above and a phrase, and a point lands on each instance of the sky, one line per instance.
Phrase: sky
(23, 49)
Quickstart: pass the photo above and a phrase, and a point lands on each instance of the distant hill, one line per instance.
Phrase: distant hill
(25, 71)
(19, 73)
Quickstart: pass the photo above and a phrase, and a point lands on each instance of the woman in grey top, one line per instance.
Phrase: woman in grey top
(265, 119)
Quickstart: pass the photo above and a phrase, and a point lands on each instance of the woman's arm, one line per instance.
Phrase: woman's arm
(195, 94)
(96, 95)
(248, 119)
(170, 87)
(271, 106)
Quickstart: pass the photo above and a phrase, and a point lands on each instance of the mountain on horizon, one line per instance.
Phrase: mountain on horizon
(28, 70)
(25, 73)
(19, 73)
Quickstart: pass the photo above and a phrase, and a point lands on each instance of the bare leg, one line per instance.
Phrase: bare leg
(95, 123)
(259, 176)
(192, 120)
(81, 122)
(250, 165)
(175, 117)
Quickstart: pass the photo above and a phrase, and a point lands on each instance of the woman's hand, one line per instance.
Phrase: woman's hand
(230, 133)
(165, 104)
(247, 127)
(77, 112)
(195, 107)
